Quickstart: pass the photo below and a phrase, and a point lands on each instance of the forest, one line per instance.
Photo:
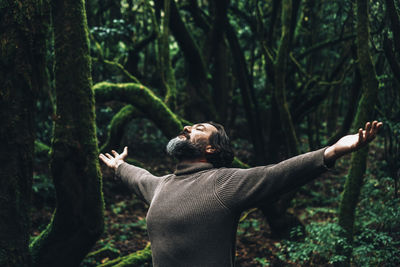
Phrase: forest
(284, 77)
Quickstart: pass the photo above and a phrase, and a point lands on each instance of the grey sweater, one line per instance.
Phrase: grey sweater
(193, 213)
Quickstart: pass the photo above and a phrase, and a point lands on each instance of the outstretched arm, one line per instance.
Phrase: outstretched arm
(350, 143)
(139, 180)
(114, 162)
(248, 187)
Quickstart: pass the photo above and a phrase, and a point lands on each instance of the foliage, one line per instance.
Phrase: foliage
(248, 224)
(376, 238)
(43, 188)
(262, 261)
(317, 247)
(376, 248)
(320, 78)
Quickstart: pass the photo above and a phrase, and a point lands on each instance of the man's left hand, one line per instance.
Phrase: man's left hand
(353, 142)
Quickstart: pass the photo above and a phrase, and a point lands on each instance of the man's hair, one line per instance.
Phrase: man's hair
(223, 155)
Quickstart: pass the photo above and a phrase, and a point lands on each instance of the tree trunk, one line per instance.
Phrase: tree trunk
(391, 58)
(78, 219)
(351, 109)
(167, 72)
(365, 110)
(220, 61)
(22, 51)
(198, 107)
(276, 213)
(395, 22)
(249, 105)
(280, 68)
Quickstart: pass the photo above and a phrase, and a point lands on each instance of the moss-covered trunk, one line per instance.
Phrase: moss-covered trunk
(280, 221)
(78, 219)
(354, 179)
(21, 65)
(144, 100)
(167, 72)
(280, 69)
(116, 127)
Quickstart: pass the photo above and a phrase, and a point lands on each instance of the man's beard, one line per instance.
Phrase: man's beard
(184, 149)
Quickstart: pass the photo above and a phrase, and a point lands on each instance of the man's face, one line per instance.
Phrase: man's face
(192, 142)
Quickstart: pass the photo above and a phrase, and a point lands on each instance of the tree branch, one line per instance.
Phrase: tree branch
(119, 66)
(144, 100)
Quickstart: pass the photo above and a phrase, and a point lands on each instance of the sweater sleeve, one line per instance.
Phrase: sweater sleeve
(244, 188)
(139, 180)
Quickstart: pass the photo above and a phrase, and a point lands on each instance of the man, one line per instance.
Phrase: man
(193, 213)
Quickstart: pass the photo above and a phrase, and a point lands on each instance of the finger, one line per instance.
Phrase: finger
(368, 127)
(125, 152)
(373, 128)
(103, 158)
(109, 156)
(114, 153)
(368, 131)
(371, 131)
(360, 136)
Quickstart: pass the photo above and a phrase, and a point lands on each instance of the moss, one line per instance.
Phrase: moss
(106, 252)
(144, 100)
(168, 76)
(365, 110)
(116, 126)
(41, 149)
(78, 220)
(280, 69)
(135, 259)
(239, 164)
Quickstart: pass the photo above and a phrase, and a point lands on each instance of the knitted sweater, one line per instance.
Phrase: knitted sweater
(193, 213)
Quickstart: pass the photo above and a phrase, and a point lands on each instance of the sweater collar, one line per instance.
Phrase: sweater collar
(187, 168)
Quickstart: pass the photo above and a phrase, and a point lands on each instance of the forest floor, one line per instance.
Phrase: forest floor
(125, 225)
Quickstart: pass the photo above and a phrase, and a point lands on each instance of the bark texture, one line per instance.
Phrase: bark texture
(280, 68)
(78, 219)
(365, 110)
(168, 75)
(21, 64)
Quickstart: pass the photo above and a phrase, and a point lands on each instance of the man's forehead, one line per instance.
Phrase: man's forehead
(207, 126)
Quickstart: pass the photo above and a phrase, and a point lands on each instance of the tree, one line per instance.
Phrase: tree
(78, 219)
(21, 64)
(365, 110)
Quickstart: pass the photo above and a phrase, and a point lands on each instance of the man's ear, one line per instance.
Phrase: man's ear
(210, 149)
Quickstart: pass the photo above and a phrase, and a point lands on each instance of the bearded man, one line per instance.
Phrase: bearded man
(194, 212)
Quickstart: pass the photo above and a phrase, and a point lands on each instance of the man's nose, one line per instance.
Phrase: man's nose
(187, 129)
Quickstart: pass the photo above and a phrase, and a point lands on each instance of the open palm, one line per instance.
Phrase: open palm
(116, 160)
(350, 143)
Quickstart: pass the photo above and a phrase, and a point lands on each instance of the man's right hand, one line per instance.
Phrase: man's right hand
(114, 162)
